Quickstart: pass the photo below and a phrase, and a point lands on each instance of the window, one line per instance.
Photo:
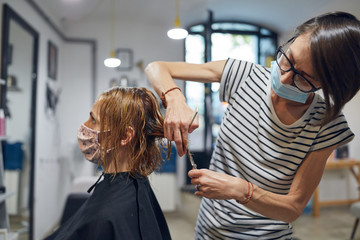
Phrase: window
(219, 41)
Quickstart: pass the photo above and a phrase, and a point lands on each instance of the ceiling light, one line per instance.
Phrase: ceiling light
(177, 32)
(112, 61)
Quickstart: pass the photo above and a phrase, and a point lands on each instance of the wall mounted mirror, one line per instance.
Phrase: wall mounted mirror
(18, 100)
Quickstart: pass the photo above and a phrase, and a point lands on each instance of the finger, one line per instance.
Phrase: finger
(167, 133)
(179, 142)
(200, 194)
(194, 173)
(184, 134)
(167, 130)
(198, 189)
(195, 181)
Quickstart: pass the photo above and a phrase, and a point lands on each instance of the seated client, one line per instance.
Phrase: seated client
(122, 135)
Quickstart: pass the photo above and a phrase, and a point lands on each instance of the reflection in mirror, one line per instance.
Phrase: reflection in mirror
(18, 96)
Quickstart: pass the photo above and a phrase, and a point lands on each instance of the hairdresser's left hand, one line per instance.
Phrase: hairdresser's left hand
(217, 185)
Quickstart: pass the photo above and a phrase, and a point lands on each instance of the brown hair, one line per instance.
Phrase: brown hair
(120, 108)
(335, 53)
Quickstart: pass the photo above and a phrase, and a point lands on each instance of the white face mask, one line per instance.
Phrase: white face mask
(89, 145)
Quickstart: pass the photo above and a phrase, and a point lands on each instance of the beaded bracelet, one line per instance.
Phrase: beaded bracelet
(163, 100)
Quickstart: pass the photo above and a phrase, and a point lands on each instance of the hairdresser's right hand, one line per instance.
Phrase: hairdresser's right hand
(177, 120)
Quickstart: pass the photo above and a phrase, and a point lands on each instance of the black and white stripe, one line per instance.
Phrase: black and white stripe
(255, 145)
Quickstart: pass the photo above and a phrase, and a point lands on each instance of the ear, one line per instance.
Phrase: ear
(130, 132)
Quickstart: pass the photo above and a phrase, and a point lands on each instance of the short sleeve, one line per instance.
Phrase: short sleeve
(337, 132)
(234, 73)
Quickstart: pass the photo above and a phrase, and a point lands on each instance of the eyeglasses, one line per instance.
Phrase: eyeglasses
(285, 65)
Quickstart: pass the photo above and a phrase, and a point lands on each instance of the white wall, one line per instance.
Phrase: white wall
(74, 106)
(147, 41)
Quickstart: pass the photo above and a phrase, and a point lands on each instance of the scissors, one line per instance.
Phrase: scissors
(193, 164)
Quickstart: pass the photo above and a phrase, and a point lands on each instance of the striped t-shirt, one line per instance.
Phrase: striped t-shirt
(255, 145)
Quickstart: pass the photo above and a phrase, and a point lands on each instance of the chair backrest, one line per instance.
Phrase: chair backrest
(73, 202)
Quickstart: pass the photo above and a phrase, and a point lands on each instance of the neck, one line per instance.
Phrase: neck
(120, 168)
(122, 164)
(289, 111)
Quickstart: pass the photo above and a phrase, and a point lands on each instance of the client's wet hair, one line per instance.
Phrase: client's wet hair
(137, 108)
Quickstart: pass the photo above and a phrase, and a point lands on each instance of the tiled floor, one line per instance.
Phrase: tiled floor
(19, 225)
(334, 223)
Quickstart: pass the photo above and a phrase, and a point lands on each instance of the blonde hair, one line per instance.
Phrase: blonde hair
(121, 108)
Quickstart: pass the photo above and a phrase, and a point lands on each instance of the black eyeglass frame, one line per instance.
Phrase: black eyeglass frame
(292, 68)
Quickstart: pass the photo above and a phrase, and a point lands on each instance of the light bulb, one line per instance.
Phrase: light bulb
(112, 62)
(177, 33)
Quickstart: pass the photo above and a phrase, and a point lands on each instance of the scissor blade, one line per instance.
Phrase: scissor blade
(193, 164)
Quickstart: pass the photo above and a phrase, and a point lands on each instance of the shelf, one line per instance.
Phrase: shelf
(4, 196)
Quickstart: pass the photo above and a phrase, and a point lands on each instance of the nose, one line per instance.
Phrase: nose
(286, 77)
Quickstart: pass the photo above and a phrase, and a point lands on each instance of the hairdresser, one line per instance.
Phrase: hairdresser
(277, 131)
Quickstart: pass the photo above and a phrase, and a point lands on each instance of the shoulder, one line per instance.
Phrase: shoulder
(237, 72)
(241, 69)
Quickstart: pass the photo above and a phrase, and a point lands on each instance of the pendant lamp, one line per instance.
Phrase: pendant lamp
(177, 32)
(112, 61)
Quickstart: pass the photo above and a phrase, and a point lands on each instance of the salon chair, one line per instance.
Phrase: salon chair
(77, 196)
(355, 211)
(73, 203)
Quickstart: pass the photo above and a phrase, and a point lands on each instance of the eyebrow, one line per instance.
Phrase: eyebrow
(302, 72)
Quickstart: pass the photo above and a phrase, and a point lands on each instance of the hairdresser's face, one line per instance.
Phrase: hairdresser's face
(93, 121)
(299, 55)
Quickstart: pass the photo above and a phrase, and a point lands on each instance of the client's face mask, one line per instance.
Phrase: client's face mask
(89, 145)
(284, 90)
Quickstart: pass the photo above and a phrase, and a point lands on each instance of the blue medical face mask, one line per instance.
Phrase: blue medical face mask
(284, 90)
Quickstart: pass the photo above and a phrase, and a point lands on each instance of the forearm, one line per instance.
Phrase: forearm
(159, 77)
(289, 207)
(161, 74)
(285, 208)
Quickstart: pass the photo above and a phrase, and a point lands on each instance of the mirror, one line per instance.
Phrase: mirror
(18, 101)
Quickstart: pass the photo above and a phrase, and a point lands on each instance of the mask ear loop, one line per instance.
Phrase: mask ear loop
(97, 139)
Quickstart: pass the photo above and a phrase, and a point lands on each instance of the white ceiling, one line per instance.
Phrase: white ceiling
(278, 15)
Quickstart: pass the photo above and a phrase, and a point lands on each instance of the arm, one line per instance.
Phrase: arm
(178, 114)
(286, 208)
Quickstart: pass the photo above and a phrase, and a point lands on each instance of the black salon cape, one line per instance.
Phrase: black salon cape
(121, 208)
